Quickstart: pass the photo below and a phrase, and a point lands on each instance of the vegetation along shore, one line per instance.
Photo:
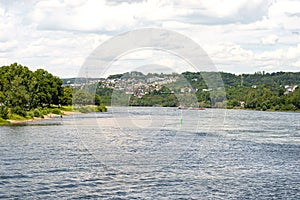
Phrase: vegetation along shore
(277, 91)
(29, 95)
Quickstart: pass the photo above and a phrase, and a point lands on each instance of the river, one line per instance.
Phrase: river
(153, 153)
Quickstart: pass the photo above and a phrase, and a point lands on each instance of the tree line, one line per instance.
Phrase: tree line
(23, 91)
(24, 88)
(258, 91)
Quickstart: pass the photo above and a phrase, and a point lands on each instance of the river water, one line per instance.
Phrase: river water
(153, 153)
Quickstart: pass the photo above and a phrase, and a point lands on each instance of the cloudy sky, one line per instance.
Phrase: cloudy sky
(242, 36)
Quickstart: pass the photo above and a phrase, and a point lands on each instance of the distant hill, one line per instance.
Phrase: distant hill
(229, 80)
(259, 91)
(78, 80)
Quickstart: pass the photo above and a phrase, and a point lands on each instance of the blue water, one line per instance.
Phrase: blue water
(145, 153)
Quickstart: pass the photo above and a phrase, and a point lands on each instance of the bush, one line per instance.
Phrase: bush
(4, 122)
(19, 111)
(101, 108)
(56, 111)
(67, 108)
(290, 107)
(4, 112)
(30, 114)
(86, 109)
(36, 113)
(44, 111)
(264, 108)
(16, 117)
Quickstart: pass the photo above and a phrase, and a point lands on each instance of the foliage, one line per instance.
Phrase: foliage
(81, 97)
(67, 108)
(37, 113)
(24, 93)
(44, 111)
(66, 98)
(56, 111)
(101, 108)
(4, 112)
(86, 109)
(22, 88)
(4, 122)
(16, 117)
(30, 114)
(259, 91)
(18, 111)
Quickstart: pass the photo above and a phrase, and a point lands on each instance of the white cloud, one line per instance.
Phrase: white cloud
(227, 12)
(239, 36)
(286, 13)
(270, 40)
(95, 15)
(8, 46)
(2, 12)
(88, 16)
(296, 64)
(286, 54)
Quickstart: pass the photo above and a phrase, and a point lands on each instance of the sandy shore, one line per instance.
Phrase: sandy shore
(46, 117)
(67, 113)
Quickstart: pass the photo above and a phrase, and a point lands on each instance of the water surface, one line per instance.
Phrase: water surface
(146, 153)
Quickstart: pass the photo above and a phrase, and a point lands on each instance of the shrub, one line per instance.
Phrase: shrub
(16, 117)
(56, 111)
(288, 107)
(67, 108)
(86, 109)
(4, 112)
(30, 114)
(19, 111)
(36, 113)
(101, 108)
(44, 111)
(4, 122)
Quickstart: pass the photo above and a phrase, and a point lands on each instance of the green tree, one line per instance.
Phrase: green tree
(81, 97)
(66, 98)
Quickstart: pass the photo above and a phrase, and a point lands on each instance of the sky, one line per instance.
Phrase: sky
(242, 36)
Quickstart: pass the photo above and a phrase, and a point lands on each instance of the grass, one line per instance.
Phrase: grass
(4, 122)
(17, 117)
(56, 111)
(41, 112)
(67, 108)
(85, 109)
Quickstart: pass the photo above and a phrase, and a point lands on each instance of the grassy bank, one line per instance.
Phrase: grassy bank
(4, 122)
(17, 115)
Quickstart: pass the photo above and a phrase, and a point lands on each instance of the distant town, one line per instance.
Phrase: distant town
(138, 84)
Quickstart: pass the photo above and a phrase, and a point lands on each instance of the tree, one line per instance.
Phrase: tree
(21, 87)
(81, 97)
(48, 88)
(66, 98)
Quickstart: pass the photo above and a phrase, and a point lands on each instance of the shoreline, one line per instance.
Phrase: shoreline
(46, 117)
(70, 113)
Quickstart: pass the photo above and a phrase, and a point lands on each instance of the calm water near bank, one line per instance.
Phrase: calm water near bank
(147, 153)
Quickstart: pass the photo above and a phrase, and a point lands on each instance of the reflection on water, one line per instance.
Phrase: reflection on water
(143, 153)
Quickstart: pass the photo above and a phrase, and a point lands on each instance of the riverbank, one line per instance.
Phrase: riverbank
(268, 110)
(40, 114)
(46, 117)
